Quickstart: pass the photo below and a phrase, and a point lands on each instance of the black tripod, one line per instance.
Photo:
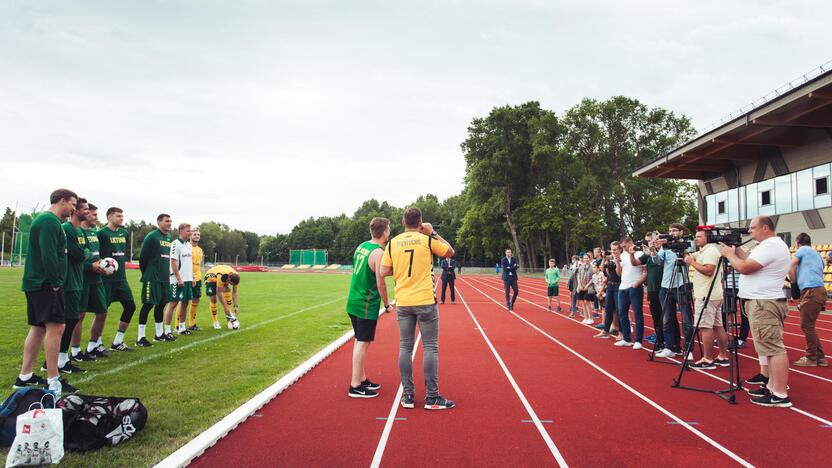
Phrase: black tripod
(729, 310)
(684, 295)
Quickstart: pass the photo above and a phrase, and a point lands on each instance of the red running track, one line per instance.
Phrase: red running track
(530, 386)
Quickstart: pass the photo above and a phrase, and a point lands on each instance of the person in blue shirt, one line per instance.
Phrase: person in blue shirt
(673, 288)
(807, 270)
(510, 267)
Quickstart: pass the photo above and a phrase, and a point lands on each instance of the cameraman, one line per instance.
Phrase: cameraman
(673, 287)
(761, 282)
(807, 271)
(654, 281)
(708, 314)
(631, 292)
(611, 272)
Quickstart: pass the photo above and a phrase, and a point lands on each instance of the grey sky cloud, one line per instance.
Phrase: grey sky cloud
(288, 107)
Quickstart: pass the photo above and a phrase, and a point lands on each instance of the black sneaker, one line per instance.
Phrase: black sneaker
(407, 401)
(361, 392)
(34, 381)
(438, 403)
(759, 392)
(83, 357)
(66, 388)
(170, 337)
(704, 365)
(194, 328)
(144, 343)
(99, 352)
(185, 332)
(758, 379)
(69, 368)
(722, 362)
(120, 347)
(370, 385)
(772, 400)
(160, 338)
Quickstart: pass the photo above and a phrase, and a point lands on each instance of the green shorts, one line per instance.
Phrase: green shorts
(196, 290)
(552, 291)
(211, 289)
(72, 305)
(93, 298)
(118, 291)
(155, 292)
(181, 293)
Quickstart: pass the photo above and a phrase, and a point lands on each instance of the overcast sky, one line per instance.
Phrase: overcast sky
(261, 113)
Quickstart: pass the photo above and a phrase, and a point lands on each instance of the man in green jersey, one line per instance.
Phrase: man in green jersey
(43, 279)
(367, 292)
(154, 262)
(76, 252)
(93, 297)
(552, 275)
(114, 241)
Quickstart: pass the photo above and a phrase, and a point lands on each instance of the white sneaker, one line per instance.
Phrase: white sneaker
(622, 343)
(637, 345)
(217, 326)
(589, 322)
(665, 353)
(55, 385)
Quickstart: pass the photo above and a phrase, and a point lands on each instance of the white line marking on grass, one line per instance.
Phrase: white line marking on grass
(537, 422)
(635, 392)
(152, 357)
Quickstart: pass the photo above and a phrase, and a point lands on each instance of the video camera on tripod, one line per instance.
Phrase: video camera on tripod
(727, 236)
(678, 244)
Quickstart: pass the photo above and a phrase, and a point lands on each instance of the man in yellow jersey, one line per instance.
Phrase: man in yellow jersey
(197, 256)
(409, 258)
(222, 279)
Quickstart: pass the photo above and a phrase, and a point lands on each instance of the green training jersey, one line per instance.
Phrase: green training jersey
(46, 260)
(114, 245)
(90, 276)
(552, 276)
(364, 299)
(154, 258)
(76, 253)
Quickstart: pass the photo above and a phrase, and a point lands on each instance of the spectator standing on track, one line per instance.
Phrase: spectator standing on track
(409, 258)
(584, 283)
(552, 276)
(597, 285)
(368, 291)
(631, 292)
(448, 277)
(807, 270)
(611, 272)
(572, 284)
(761, 282)
(673, 293)
(597, 260)
(704, 264)
(510, 267)
(43, 279)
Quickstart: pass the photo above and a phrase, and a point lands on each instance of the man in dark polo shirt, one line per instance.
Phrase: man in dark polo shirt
(43, 280)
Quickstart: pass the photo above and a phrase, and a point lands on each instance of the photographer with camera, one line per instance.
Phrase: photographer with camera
(631, 292)
(708, 315)
(761, 283)
(654, 283)
(611, 270)
(674, 292)
(807, 271)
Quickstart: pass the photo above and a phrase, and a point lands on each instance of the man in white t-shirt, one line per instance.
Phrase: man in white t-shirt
(181, 279)
(631, 292)
(762, 273)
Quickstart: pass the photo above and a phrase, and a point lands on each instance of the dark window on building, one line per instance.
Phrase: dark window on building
(720, 207)
(821, 186)
(765, 198)
(786, 236)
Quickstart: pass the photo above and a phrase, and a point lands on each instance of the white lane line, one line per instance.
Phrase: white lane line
(635, 392)
(716, 377)
(191, 344)
(537, 422)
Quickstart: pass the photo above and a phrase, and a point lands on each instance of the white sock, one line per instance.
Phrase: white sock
(159, 329)
(119, 339)
(99, 342)
(76, 350)
(91, 346)
(167, 329)
(25, 377)
(62, 359)
(141, 331)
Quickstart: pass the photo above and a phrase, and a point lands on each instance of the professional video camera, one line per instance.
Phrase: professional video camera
(728, 236)
(679, 245)
(641, 243)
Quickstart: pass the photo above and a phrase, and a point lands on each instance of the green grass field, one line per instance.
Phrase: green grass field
(192, 383)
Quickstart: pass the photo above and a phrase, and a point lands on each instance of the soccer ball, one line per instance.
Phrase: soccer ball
(234, 324)
(109, 265)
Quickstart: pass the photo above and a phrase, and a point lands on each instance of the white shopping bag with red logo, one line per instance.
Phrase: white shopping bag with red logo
(39, 438)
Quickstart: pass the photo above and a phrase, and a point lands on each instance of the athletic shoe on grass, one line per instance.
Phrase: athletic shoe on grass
(758, 379)
(144, 343)
(83, 357)
(773, 401)
(438, 403)
(99, 352)
(120, 347)
(703, 365)
(216, 326)
(184, 332)
(370, 385)
(160, 338)
(361, 392)
(194, 328)
(33, 381)
(407, 401)
(70, 368)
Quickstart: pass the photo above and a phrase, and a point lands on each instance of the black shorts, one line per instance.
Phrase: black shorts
(365, 329)
(552, 291)
(45, 306)
(583, 296)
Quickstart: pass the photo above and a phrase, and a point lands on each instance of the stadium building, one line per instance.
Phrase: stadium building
(771, 158)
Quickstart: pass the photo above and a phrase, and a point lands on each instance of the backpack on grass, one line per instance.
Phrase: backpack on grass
(91, 422)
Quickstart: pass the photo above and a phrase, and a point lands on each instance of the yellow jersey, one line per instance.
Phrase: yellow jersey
(215, 274)
(197, 256)
(411, 256)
